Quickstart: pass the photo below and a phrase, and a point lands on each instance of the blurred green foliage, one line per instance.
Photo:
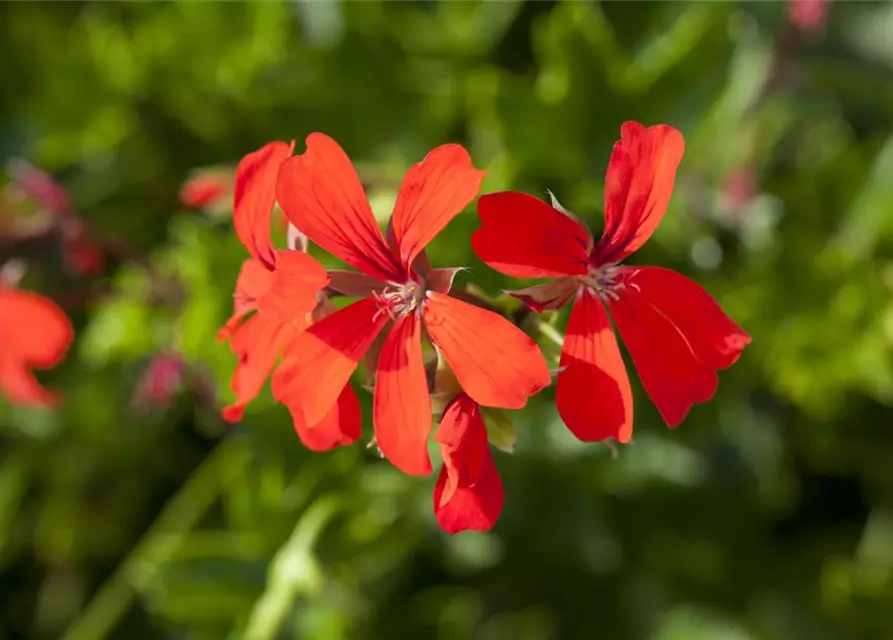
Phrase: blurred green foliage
(767, 515)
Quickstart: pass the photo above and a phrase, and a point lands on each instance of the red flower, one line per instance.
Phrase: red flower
(259, 340)
(34, 333)
(468, 493)
(495, 362)
(675, 332)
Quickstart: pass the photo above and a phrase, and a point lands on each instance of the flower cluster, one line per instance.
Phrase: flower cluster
(416, 340)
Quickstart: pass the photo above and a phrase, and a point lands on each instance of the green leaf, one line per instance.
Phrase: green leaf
(501, 433)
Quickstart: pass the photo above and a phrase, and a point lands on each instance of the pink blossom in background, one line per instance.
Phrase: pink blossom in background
(79, 252)
(739, 188)
(809, 16)
(161, 382)
(40, 187)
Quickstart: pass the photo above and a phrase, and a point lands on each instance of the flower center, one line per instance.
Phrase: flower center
(601, 280)
(399, 299)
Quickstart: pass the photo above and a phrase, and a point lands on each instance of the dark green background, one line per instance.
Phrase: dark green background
(768, 514)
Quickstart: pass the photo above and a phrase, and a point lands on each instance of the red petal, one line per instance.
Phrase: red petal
(255, 195)
(496, 363)
(341, 426)
(715, 339)
(523, 237)
(474, 508)
(35, 331)
(468, 493)
(463, 444)
(552, 295)
(670, 373)
(422, 263)
(322, 196)
(638, 187)
(258, 343)
(594, 397)
(319, 362)
(433, 192)
(252, 284)
(295, 283)
(402, 407)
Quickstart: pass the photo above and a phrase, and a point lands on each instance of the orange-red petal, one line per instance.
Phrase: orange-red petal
(524, 237)
(462, 436)
(496, 363)
(593, 397)
(258, 343)
(638, 187)
(341, 426)
(715, 339)
(402, 406)
(322, 196)
(670, 373)
(433, 192)
(293, 287)
(319, 362)
(252, 284)
(475, 508)
(255, 195)
(468, 493)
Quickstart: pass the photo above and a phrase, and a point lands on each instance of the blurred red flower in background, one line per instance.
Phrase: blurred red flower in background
(34, 333)
(208, 188)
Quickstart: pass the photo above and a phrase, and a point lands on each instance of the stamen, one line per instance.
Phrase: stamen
(601, 281)
(397, 300)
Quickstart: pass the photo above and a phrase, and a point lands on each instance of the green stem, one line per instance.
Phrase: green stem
(549, 332)
(292, 571)
(223, 465)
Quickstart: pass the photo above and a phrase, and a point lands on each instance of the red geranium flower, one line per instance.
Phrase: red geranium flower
(34, 333)
(259, 340)
(494, 361)
(676, 334)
